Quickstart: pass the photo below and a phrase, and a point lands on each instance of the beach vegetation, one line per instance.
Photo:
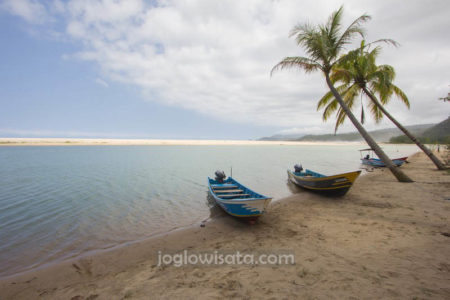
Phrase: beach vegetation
(438, 134)
(324, 45)
(446, 99)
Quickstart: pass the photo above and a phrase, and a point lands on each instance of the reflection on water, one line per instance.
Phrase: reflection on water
(59, 202)
(214, 209)
(294, 189)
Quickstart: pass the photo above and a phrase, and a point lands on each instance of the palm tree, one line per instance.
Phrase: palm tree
(360, 75)
(323, 44)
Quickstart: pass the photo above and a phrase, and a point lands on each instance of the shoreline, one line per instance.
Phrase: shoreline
(153, 142)
(148, 238)
(97, 252)
(100, 251)
(374, 240)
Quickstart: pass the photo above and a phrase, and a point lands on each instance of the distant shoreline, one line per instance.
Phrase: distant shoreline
(152, 142)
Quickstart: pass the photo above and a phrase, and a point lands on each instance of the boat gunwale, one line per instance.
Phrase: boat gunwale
(261, 197)
(376, 162)
(312, 178)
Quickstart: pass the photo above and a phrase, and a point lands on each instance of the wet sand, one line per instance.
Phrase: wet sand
(384, 239)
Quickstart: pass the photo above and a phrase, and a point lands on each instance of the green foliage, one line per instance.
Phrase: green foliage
(322, 43)
(403, 139)
(359, 75)
(438, 134)
(348, 137)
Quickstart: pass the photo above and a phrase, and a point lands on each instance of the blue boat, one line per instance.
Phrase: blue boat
(236, 199)
(376, 162)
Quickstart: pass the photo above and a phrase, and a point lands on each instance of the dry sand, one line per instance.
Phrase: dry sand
(149, 142)
(384, 239)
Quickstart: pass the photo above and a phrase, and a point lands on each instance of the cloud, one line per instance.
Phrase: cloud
(302, 130)
(30, 10)
(101, 82)
(6, 132)
(215, 57)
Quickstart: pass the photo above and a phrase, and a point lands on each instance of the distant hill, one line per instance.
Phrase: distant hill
(282, 137)
(439, 133)
(381, 135)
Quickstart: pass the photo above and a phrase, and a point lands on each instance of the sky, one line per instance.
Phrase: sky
(199, 69)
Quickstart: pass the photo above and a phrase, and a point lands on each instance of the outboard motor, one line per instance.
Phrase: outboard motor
(220, 176)
(298, 168)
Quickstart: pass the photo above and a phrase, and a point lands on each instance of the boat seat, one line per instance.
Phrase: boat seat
(232, 195)
(227, 191)
(223, 186)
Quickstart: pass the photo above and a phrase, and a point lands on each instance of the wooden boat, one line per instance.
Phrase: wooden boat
(402, 158)
(236, 199)
(335, 185)
(376, 162)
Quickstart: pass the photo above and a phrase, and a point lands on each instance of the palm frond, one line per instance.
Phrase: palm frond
(332, 29)
(304, 63)
(353, 29)
(400, 94)
(330, 109)
(375, 112)
(340, 119)
(325, 100)
(351, 94)
(363, 117)
(329, 95)
(386, 41)
(341, 74)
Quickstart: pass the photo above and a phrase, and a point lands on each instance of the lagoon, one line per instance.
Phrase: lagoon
(59, 202)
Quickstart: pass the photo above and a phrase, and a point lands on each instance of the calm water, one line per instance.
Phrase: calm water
(60, 202)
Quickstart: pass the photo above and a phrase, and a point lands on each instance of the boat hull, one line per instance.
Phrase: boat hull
(250, 206)
(402, 158)
(336, 185)
(375, 162)
(248, 209)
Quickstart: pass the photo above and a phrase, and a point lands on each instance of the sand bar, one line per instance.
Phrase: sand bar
(384, 239)
(149, 142)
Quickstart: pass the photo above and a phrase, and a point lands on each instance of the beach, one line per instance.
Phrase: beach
(151, 142)
(384, 239)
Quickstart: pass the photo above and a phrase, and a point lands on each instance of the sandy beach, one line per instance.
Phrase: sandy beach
(384, 239)
(150, 142)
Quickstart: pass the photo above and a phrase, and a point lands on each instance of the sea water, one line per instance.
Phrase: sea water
(58, 202)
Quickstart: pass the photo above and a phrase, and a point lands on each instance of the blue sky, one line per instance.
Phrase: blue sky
(43, 94)
(198, 69)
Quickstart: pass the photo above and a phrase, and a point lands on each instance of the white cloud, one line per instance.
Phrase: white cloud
(214, 57)
(303, 130)
(68, 133)
(30, 10)
(101, 82)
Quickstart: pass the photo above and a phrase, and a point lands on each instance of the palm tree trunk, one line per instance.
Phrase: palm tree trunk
(402, 177)
(430, 154)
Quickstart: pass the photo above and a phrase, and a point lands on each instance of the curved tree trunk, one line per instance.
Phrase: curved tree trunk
(402, 177)
(430, 154)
